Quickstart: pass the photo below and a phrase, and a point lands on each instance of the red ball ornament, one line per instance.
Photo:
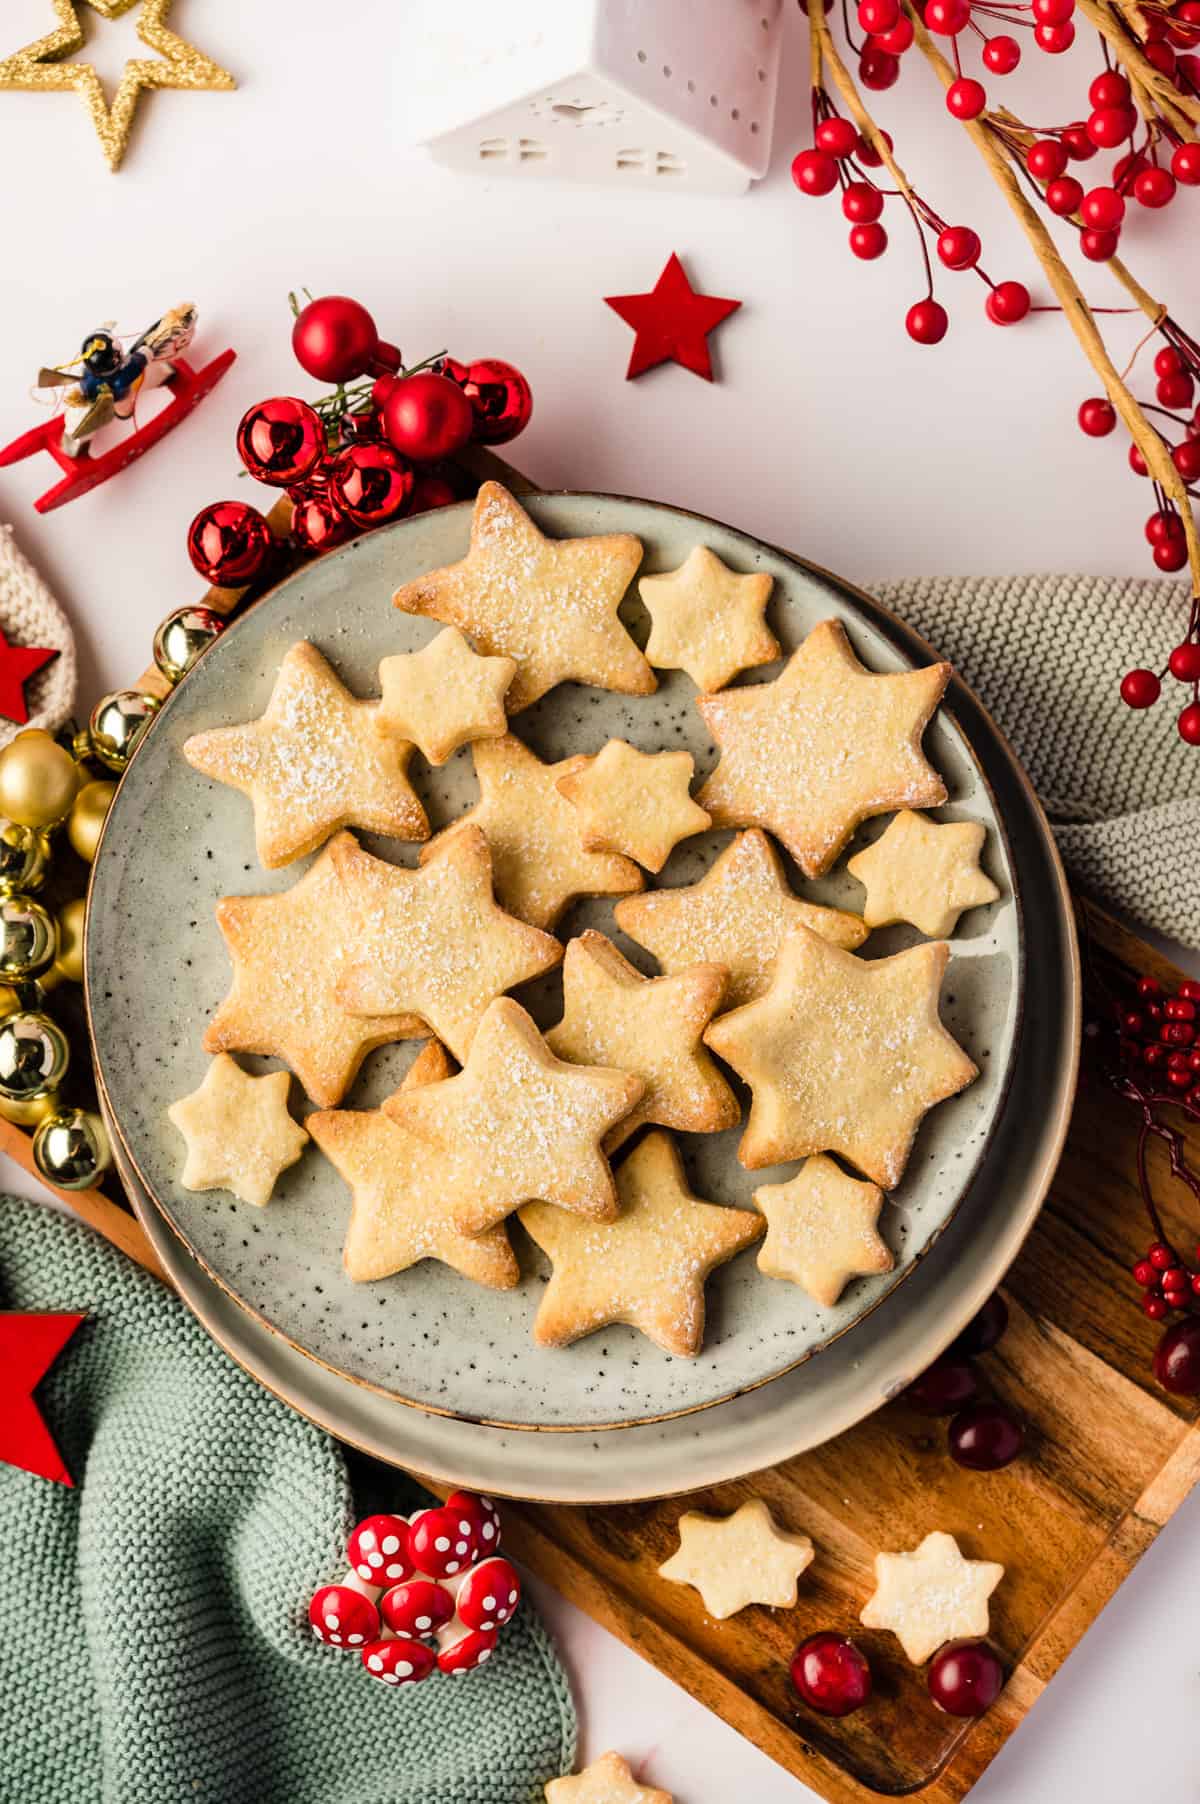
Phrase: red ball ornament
(1109, 126)
(427, 417)
(958, 247)
(1140, 688)
(926, 322)
(836, 137)
(861, 202)
(318, 523)
(1079, 146)
(1045, 159)
(1188, 724)
(501, 399)
(335, 339)
(814, 172)
(868, 241)
(1185, 164)
(965, 1678)
(281, 441)
(1109, 89)
(831, 1674)
(1154, 187)
(1097, 247)
(966, 98)
(878, 69)
(429, 492)
(1001, 54)
(229, 543)
(947, 17)
(1008, 303)
(1054, 39)
(897, 40)
(1097, 417)
(1063, 195)
(1184, 662)
(876, 16)
(371, 483)
(1102, 208)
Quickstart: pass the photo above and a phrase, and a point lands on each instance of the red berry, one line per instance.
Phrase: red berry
(1149, 986)
(1160, 1256)
(1188, 724)
(1184, 663)
(1140, 688)
(878, 69)
(1189, 989)
(836, 137)
(926, 322)
(897, 40)
(1097, 417)
(814, 172)
(831, 1674)
(1177, 1358)
(1186, 458)
(1143, 1273)
(1053, 12)
(1196, 1284)
(1109, 126)
(875, 16)
(965, 97)
(861, 202)
(1153, 1054)
(984, 1437)
(1046, 158)
(1063, 195)
(1175, 391)
(958, 247)
(1054, 39)
(1126, 170)
(947, 1386)
(1079, 145)
(1109, 89)
(1161, 56)
(1162, 525)
(984, 1330)
(1098, 247)
(868, 241)
(1155, 1306)
(947, 17)
(867, 154)
(1168, 362)
(1174, 1278)
(1185, 164)
(1001, 54)
(1102, 208)
(1137, 462)
(1007, 303)
(1134, 1023)
(965, 1678)
(1154, 187)
(1175, 1299)
(1171, 556)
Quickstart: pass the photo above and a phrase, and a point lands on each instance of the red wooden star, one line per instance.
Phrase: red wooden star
(672, 322)
(17, 664)
(29, 1345)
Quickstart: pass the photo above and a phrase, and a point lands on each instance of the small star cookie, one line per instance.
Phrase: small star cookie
(433, 941)
(608, 1780)
(821, 1230)
(924, 872)
(635, 802)
(550, 603)
(843, 1055)
(539, 863)
(313, 763)
(612, 1015)
(737, 1560)
(738, 915)
(517, 1123)
(931, 1596)
(646, 1268)
(238, 1132)
(823, 747)
(707, 620)
(443, 696)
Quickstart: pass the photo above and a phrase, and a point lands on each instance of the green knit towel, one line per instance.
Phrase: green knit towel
(155, 1645)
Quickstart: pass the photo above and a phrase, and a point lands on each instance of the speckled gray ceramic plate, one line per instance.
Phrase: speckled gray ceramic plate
(176, 843)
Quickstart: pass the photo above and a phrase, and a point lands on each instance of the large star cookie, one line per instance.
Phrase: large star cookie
(738, 915)
(737, 1560)
(612, 1015)
(931, 1596)
(539, 864)
(550, 603)
(399, 1214)
(843, 1055)
(635, 802)
(823, 747)
(707, 620)
(238, 1132)
(433, 940)
(517, 1123)
(289, 954)
(647, 1267)
(313, 763)
(443, 696)
(822, 1230)
(608, 1780)
(924, 872)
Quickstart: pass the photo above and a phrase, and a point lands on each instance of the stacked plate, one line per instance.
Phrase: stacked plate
(439, 1375)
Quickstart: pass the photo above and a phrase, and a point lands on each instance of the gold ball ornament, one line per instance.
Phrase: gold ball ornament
(182, 637)
(87, 817)
(23, 855)
(71, 1149)
(10, 1000)
(28, 938)
(117, 723)
(34, 1055)
(33, 1111)
(68, 962)
(38, 779)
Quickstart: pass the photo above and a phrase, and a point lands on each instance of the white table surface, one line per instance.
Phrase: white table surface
(828, 432)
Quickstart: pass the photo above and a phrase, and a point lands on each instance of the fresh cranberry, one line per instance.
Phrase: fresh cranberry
(947, 1386)
(1177, 1358)
(984, 1329)
(965, 1678)
(984, 1437)
(831, 1674)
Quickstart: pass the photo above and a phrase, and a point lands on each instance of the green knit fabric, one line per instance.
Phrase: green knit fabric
(155, 1646)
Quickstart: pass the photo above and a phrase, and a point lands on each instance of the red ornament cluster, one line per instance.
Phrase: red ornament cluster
(983, 1435)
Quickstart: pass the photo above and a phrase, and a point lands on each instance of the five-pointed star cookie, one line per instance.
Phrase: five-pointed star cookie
(313, 763)
(821, 748)
(550, 603)
(289, 952)
(647, 1267)
(517, 1123)
(738, 1560)
(708, 620)
(443, 696)
(924, 872)
(931, 1596)
(608, 1780)
(843, 1055)
(612, 1015)
(399, 1214)
(822, 1230)
(738, 915)
(635, 802)
(433, 941)
(238, 1132)
(539, 864)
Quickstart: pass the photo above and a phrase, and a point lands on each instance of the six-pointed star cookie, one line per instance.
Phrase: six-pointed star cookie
(646, 1268)
(843, 1055)
(608, 1780)
(289, 952)
(738, 1560)
(821, 748)
(738, 915)
(931, 1596)
(707, 620)
(635, 802)
(550, 603)
(433, 940)
(612, 1015)
(924, 872)
(517, 1123)
(822, 1230)
(443, 696)
(313, 763)
(238, 1132)
(538, 859)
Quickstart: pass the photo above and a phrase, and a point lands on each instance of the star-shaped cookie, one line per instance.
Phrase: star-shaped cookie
(708, 620)
(517, 1123)
(289, 953)
(843, 1055)
(635, 802)
(738, 1560)
(238, 1132)
(822, 1230)
(539, 864)
(924, 872)
(443, 696)
(313, 763)
(612, 1015)
(646, 1268)
(399, 1215)
(821, 748)
(931, 1596)
(550, 603)
(608, 1780)
(738, 915)
(433, 941)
